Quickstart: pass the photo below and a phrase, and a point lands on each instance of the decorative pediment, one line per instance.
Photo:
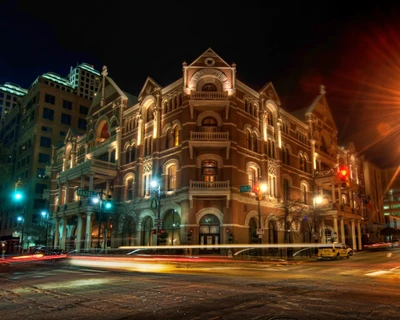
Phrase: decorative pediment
(321, 111)
(72, 134)
(110, 94)
(209, 59)
(149, 87)
(270, 93)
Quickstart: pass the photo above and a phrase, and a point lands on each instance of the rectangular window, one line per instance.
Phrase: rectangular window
(48, 98)
(39, 187)
(83, 110)
(65, 119)
(63, 133)
(48, 114)
(44, 158)
(45, 142)
(67, 104)
(82, 124)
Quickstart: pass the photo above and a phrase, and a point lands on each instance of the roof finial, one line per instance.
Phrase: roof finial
(104, 71)
(322, 89)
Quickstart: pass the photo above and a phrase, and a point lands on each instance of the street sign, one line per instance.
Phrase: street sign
(86, 193)
(245, 188)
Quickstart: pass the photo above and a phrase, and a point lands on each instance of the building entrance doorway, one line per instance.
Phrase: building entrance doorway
(209, 234)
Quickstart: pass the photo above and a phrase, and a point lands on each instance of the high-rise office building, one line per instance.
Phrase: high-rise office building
(52, 106)
(10, 94)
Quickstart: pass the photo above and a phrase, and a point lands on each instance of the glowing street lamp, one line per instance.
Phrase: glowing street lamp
(259, 189)
(156, 187)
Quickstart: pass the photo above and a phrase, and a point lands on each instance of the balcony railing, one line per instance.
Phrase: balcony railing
(209, 136)
(209, 95)
(208, 185)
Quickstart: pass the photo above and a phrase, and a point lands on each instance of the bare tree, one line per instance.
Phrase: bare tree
(290, 211)
(313, 219)
(124, 214)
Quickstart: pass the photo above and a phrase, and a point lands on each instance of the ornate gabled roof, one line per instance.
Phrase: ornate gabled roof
(319, 108)
(149, 86)
(72, 133)
(269, 91)
(111, 92)
(204, 61)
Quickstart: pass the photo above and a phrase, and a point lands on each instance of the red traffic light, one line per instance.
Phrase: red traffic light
(343, 172)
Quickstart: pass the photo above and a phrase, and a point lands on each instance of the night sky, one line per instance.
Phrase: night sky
(354, 50)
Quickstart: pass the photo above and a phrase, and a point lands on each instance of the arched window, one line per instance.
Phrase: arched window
(176, 136)
(209, 170)
(248, 139)
(254, 143)
(172, 177)
(209, 124)
(270, 118)
(170, 138)
(303, 193)
(209, 87)
(253, 176)
(133, 153)
(127, 155)
(150, 113)
(129, 188)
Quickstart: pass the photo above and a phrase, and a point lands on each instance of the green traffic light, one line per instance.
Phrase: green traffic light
(18, 196)
(108, 205)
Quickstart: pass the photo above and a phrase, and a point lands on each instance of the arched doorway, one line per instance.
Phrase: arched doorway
(172, 225)
(209, 232)
(128, 231)
(147, 226)
(253, 224)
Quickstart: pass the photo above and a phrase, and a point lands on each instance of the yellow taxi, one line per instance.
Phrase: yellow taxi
(333, 251)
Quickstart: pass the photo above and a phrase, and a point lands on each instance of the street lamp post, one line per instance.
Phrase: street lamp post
(156, 186)
(22, 220)
(260, 189)
(46, 216)
(107, 205)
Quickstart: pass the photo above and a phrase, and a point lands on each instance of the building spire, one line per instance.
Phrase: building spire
(322, 89)
(104, 73)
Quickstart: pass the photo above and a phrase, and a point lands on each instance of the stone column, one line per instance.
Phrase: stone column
(342, 234)
(66, 199)
(57, 233)
(88, 235)
(335, 226)
(79, 233)
(313, 158)
(118, 147)
(353, 234)
(359, 235)
(64, 233)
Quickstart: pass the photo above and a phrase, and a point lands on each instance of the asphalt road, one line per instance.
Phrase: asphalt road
(367, 286)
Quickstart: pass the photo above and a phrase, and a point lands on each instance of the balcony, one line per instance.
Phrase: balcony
(217, 140)
(93, 165)
(202, 100)
(208, 95)
(208, 189)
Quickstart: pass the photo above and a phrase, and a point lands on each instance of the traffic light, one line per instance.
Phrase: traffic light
(257, 190)
(162, 231)
(189, 235)
(344, 176)
(108, 205)
(153, 231)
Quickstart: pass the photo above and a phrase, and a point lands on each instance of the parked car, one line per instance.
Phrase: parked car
(333, 251)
